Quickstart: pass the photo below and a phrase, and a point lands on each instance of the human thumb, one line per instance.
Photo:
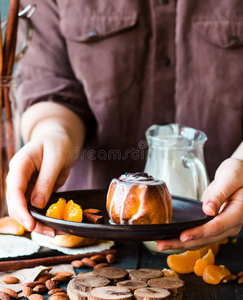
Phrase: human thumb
(228, 180)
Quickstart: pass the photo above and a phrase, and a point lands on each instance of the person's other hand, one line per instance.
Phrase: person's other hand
(223, 199)
(38, 169)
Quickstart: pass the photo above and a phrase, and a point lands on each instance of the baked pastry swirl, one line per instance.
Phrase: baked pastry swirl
(137, 198)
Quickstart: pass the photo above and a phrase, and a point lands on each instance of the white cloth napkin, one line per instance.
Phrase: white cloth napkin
(13, 246)
(42, 241)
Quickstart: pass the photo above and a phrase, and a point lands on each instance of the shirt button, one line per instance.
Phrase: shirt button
(93, 33)
(233, 39)
(166, 61)
(164, 2)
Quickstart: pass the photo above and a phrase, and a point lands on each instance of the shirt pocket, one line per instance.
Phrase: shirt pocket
(102, 48)
(218, 48)
(224, 33)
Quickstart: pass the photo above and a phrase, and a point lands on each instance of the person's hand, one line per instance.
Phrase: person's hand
(223, 199)
(38, 169)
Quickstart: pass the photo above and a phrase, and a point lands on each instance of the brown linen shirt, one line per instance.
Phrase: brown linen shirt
(123, 65)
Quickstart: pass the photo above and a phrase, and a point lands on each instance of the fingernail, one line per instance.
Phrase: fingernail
(38, 201)
(212, 207)
(163, 248)
(49, 233)
(187, 238)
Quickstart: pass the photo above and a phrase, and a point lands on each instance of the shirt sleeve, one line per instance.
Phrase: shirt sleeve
(44, 73)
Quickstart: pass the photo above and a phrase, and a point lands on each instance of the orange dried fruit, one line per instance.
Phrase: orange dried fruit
(203, 262)
(73, 212)
(183, 263)
(11, 226)
(214, 274)
(56, 210)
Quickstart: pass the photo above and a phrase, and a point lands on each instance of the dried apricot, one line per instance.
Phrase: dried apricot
(11, 226)
(201, 263)
(73, 212)
(214, 247)
(183, 263)
(56, 210)
(214, 274)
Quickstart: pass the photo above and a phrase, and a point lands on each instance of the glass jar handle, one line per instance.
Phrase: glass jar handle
(24, 15)
(199, 175)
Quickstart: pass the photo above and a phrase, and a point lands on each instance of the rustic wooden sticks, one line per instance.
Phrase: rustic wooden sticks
(48, 261)
(8, 54)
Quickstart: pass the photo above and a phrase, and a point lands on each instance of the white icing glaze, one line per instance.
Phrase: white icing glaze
(140, 179)
(127, 188)
(161, 191)
(135, 216)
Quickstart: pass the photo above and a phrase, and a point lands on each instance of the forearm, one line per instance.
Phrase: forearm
(44, 117)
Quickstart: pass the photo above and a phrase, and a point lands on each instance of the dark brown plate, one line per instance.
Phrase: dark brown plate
(187, 213)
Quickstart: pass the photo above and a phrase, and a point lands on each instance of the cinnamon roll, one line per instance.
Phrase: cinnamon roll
(137, 198)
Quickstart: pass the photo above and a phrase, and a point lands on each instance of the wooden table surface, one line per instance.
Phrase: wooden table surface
(230, 255)
(134, 255)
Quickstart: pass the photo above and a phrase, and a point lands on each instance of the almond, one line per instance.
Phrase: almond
(10, 279)
(59, 297)
(10, 292)
(53, 291)
(51, 284)
(101, 265)
(44, 277)
(110, 258)
(27, 291)
(240, 274)
(229, 278)
(32, 284)
(40, 288)
(98, 258)
(67, 274)
(61, 278)
(36, 297)
(61, 294)
(77, 264)
(88, 262)
(4, 296)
